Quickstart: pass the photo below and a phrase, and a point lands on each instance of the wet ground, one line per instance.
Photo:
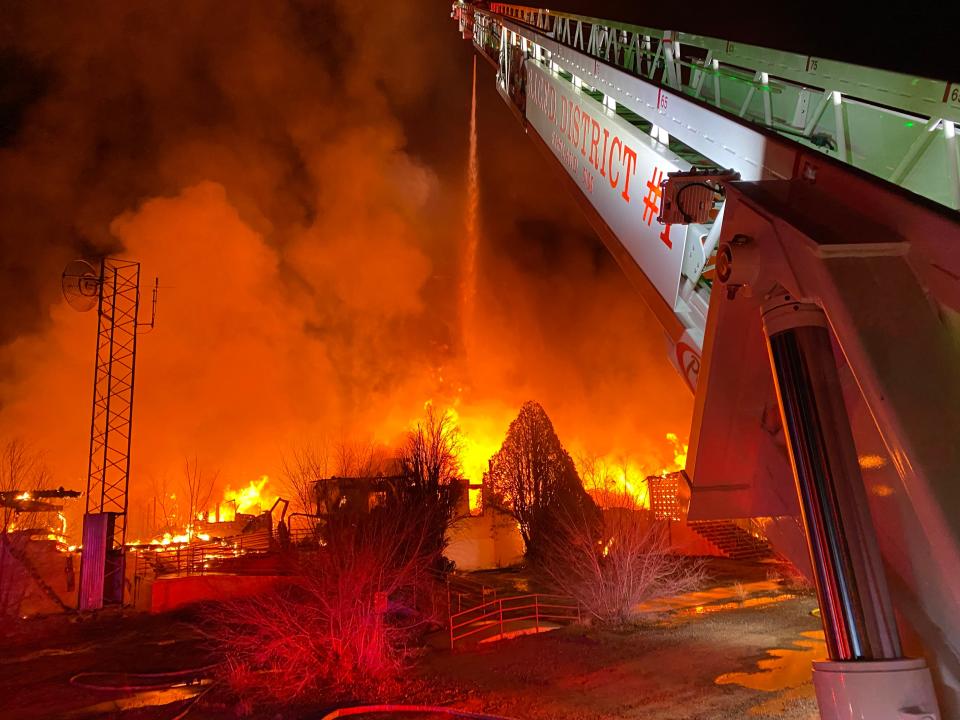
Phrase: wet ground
(739, 649)
(747, 662)
(39, 657)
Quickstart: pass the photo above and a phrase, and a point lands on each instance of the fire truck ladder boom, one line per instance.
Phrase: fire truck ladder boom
(791, 222)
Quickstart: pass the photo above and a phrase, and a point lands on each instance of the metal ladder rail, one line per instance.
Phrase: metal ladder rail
(816, 102)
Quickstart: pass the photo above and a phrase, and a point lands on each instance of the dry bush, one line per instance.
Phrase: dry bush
(631, 562)
(325, 628)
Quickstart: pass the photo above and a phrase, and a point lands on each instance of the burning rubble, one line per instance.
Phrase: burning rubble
(247, 522)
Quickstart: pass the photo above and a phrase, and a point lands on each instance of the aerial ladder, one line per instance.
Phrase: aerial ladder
(792, 223)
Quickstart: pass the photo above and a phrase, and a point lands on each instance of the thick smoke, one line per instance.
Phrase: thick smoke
(294, 174)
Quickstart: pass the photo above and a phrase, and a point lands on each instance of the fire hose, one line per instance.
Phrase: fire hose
(435, 709)
(176, 676)
(172, 679)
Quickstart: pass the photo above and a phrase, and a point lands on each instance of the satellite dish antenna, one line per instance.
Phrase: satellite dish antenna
(80, 284)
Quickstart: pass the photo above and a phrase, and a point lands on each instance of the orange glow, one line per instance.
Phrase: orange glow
(618, 473)
(482, 431)
(59, 535)
(480, 438)
(785, 668)
(315, 289)
(613, 475)
(170, 539)
(679, 454)
(872, 462)
(607, 546)
(253, 499)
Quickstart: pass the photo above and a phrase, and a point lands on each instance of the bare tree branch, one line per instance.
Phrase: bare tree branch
(23, 470)
(199, 488)
(301, 471)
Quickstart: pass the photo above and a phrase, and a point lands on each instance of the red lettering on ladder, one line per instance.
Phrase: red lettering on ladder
(630, 167)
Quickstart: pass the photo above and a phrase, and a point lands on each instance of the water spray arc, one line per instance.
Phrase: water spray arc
(468, 287)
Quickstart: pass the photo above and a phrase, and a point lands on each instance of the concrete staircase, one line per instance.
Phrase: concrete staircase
(21, 556)
(732, 540)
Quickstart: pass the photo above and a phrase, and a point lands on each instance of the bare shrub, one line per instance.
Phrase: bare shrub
(630, 564)
(347, 620)
(198, 487)
(165, 512)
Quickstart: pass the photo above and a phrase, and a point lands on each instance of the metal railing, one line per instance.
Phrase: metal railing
(464, 593)
(306, 538)
(197, 558)
(496, 617)
(895, 126)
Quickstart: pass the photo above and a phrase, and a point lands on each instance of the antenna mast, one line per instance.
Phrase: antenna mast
(111, 425)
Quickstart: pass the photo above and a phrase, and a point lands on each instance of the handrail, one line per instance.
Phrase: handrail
(495, 613)
(463, 587)
(905, 92)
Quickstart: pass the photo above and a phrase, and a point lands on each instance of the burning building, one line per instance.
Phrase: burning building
(37, 567)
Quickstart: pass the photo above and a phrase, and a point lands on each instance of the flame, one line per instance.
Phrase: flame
(59, 535)
(679, 454)
(250, 500)
(253, 499)
(54, 531)
(480, 438)
(481, 433)
(163, 540)
(611, 476)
